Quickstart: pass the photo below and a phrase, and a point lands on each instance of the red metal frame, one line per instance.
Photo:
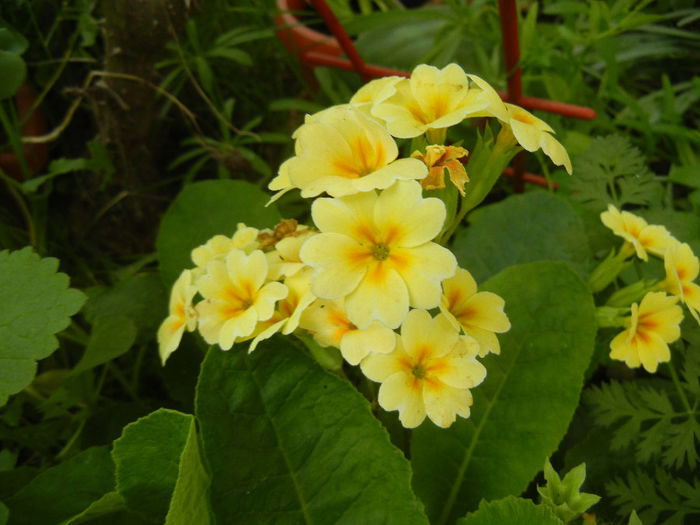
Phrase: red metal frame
(511, 50)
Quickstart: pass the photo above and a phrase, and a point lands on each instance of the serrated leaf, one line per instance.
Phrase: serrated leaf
(288, 442)
(65, 490)
(523, 408)
(110, 337)
(511, 510)
(202, 210)
(613, 171)
(37, 303)
(148, 461)
(525, 228)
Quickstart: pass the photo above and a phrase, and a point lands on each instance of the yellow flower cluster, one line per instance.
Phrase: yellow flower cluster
(655, 321)
(370, 279)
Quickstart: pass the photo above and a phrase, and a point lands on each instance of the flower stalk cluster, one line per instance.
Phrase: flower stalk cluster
(654, 313)
(372, 277)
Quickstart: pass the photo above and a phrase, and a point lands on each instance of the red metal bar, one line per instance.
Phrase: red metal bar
(321, 59)
(508, 16)
(343, 39)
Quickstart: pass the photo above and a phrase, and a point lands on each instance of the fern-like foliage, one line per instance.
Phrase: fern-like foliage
(613, 171)
(658, 499)
(654, 418)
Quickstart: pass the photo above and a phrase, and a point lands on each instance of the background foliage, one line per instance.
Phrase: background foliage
(151, 150)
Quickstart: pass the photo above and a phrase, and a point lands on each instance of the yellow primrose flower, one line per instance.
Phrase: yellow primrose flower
(330, 326)
(439, 158)
(681, 270)
(431, 99)
(645, 238)
(533, 134)
(343, 152)
(182, 316)
(218, 246)
(479, 314)
(652, 325)
(236, 297)
(429, 373)
(285, 318)
(375, 251)
(374, 92)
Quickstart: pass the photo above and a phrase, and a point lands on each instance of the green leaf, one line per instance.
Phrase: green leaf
(142, 298)
(510, 510)
(288, 442)
(110, 503)
(110, 337)
(149, 458)
(65, 490)
(12, 72)
(11, 40)
(613, 171)
(524, 228)
(37, 303)
(4, 513)
(202, 210)
(652, 496)
(189, 503)
(523, 408)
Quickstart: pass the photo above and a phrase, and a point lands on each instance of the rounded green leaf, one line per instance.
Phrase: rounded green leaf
(13, 70)
(37, 303)
(535, 226)
(205, 209)
(511, 511)
(523, 408)
(287, 442)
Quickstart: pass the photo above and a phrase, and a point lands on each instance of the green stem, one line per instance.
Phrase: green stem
(679, 388)
(120, 377)
(15, 138)
(23, 208)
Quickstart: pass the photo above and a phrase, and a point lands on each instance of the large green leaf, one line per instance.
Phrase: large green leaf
(524, 406)
(511, 511)
(142, 298)
(36, 304)
(202, 210)
(65, 490)
(535, 226)
(287, 442)
(158, 468)
(111, 337)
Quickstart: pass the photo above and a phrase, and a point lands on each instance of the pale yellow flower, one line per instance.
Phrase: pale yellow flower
(376, 251)
(343, 152)
(182, 316)
(288, 311)
(374, 92)
(431, 99)
(218, 246)
(236, 297)
(533, 134)
(429, 373)
(682, 268)
(479, 314)
(439, 158)
(330, 326)
(645, 238)
(653, 324)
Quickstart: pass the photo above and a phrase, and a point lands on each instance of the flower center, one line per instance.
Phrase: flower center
(380, 251)
(419, 371)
